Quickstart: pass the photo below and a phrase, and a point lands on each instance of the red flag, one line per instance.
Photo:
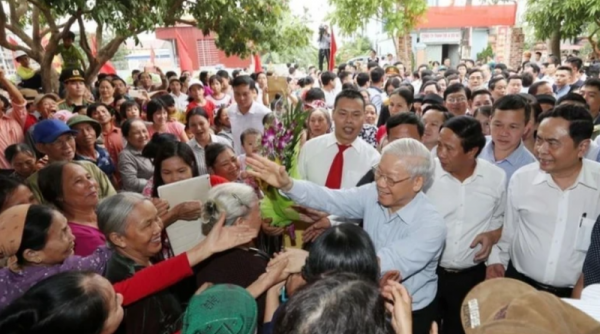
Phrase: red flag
(185, 62)
(333, 50)
(152, 55)
(108, 67)
(257, 63)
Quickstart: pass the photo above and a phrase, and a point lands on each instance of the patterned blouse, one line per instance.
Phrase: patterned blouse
(103, 161)
(13, 285)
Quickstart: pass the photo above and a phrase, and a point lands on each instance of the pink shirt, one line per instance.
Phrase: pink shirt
(174, 128)
(87, 239)
(12, 124)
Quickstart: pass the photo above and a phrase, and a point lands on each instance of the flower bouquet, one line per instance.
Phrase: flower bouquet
(281, 144)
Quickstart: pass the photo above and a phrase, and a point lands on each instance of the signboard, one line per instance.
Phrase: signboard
(441, 37)
(502, 46)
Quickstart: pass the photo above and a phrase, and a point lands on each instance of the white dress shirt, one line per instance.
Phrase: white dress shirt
(317, 154)
(181, 101)
(199, 151)
(541, 223)
(330, 97)
(241, 122)
(469, 208)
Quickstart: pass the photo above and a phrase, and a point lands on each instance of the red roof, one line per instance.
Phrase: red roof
(469, 16)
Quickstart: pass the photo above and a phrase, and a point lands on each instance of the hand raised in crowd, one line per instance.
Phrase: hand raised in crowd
(399, 304)
(222, 238)
(494, 271)
(268, 171)
(296, 258)
(316, 229)
(270, 229)
(274, 275)
(161, 205)
(190, 210)
(392, 275)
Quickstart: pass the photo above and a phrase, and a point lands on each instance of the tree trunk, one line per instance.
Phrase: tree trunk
(404, 51)
(555, 42)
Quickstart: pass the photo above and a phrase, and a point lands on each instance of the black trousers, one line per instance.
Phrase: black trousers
(423, 318)
(324, 55)
(511, 272)
(453, 287)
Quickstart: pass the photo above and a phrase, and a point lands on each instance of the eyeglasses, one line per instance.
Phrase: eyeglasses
(239, 200)
(456, 99)
(388, 181)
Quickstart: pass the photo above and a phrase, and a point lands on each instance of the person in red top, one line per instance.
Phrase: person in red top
(400, 100)
(197, 99)
(12, 122)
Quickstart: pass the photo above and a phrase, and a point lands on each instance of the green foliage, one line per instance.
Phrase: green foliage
(359, 46)
(485, 53)
(570, 17)
(398, 16)
(304, 57)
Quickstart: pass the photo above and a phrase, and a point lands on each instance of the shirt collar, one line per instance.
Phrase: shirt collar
(251, 111)
(476, 173)
(585, 177)
(409, 211)
(332, 140)
(512, 158)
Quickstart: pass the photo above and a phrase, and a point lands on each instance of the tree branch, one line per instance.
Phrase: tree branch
(47, 15)
(44, 32)
(188, 22)
(14, 25)
(99, 36)
(83, 42)
(35, 22)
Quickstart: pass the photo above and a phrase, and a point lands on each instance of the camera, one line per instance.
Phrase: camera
(322, 29)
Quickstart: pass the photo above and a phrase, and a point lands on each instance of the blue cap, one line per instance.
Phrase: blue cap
(48, 130)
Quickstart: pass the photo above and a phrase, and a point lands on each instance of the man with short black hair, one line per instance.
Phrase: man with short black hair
(470, 194)
(575, 64)
(508, 124)
(376, 90)
(328, 86)
(547, 205)
(591, 93)
(515, 84)
(362, 80)
(245, 113)
(458, 99)
(534, 69)
(562, 80)
(475, 79)
(481, 98)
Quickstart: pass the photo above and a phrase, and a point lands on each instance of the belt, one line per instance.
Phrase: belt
(462, 271)
(540, 286)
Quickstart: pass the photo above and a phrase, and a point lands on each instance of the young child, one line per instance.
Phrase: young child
(129, 110)
(29, 78)
(218, 97)
(250, 139)
(71, 57)
(197, 99)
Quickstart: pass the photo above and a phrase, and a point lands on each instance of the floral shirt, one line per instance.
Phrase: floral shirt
(368, 133)
(13, 285)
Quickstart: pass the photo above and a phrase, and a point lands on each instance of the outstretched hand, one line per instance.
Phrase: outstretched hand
(269, 171)
(222, 238)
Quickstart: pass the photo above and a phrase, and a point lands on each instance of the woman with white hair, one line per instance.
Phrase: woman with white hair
(406, 228)
(241, 265)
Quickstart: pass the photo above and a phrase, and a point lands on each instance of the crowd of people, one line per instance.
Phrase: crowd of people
(455, 200)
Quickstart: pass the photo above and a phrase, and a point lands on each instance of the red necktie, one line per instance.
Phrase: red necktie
(334, 178)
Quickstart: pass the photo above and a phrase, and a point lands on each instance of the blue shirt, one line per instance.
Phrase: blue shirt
(103, 161)
(517, 159)
(409, 240)
(562, 91)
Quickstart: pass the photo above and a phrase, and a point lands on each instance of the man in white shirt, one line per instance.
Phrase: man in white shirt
(470, 194)
(510, 121)
(246, 113)
(328, 82)
(317, 160)
(376, 89)
(551, 207)
(475, 79)
(181, 99)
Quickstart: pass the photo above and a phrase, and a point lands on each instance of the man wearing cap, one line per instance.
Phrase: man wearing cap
(55, 139)
(12, 121)
(87, 149)
(30, 78)
(75, 88)
(551, 207)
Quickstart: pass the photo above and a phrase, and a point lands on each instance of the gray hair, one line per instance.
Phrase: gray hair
(417, 159)
(234, 199)
(113, 211)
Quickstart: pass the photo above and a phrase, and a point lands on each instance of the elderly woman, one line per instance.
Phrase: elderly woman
(38, 244)
(133, 229)
(87, 149)
(135, 169)
(71, 189)
(242, 265)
